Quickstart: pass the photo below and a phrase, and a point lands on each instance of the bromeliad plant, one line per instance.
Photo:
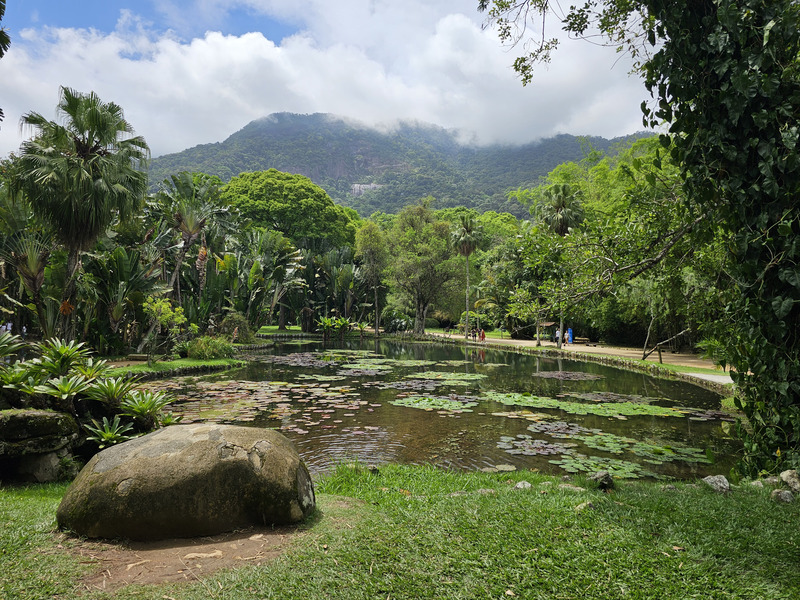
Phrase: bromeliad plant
(108, 433)
(64, 377)
(145, 407)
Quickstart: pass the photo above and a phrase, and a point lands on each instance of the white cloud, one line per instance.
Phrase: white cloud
(374, 61)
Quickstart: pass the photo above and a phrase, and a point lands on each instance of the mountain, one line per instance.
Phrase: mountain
(373, 170)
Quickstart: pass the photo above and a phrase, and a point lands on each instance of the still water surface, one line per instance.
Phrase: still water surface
(336, 404)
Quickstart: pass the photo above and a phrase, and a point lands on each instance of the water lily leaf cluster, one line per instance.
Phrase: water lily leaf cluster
(453, 404)
(619, 410)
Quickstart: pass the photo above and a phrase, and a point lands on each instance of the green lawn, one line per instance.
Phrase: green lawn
(273, 329)
(170, 365)
(418, 532)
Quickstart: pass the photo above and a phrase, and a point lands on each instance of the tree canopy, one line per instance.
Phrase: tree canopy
(724, 78)
(293, 205)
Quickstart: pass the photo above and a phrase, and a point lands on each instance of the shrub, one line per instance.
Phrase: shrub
(207, 347)
(236, 323)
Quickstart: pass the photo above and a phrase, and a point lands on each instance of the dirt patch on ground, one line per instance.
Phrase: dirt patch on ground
(118, 564)
(178, 560)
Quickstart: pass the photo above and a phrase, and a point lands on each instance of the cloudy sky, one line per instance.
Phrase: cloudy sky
(190, 72)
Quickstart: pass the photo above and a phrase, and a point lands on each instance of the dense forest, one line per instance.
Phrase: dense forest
(684, 240)
(95, 254)
(381, 171)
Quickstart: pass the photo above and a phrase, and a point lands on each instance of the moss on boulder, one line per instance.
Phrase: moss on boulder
(189, 480)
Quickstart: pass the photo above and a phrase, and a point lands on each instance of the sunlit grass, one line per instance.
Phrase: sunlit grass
(171, 365)
(419, 532)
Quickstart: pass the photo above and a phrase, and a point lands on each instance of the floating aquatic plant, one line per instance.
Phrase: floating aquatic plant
(559, 429)
(612, 397)
(449, 378)
(567, 375)
(580, 463)
(417, 385)
(451, 404)
(619, 410)
(528, 446)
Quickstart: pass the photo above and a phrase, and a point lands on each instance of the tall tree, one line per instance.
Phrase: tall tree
(423, 263)
(81, 174)
(560, 210)
(5, 40)
(372, 251)
(189, 202)
(466, 237)
(293, 205)
(725, 78)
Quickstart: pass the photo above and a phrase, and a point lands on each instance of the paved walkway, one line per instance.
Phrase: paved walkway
(684, 359)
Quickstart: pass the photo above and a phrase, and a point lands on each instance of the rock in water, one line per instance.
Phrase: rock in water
(189, 480)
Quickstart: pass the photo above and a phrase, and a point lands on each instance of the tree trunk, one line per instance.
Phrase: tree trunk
(377, 313)
(561, 328)
(419, 318)
(66, 319)
(281, 317)
(466, 296)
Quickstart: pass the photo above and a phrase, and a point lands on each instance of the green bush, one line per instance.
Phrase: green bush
(431, 323)
(207, 347)
(236, 323)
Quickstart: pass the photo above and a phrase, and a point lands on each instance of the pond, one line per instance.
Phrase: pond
(466, 408)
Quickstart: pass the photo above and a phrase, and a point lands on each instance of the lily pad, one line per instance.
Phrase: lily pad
(623, 469)
(435, 403)
(619, 410)
(449, 378)
(528, 446)
(567, 375)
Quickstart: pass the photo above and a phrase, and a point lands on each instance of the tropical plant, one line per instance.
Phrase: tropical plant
(372, 251)
(111, 391)
(81, 174)
(108, 433)
(189, 202)
(93, 369)
(466, 238)
(145, 407)
(10, 344)
(58, 357)
(28, 252)
(63, 389)
(210, 347)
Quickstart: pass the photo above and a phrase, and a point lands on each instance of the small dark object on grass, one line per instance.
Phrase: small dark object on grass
(604, 480)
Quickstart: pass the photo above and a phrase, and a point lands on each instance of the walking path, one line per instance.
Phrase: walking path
(684, 359)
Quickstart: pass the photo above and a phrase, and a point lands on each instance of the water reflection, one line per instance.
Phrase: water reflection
(361, 423)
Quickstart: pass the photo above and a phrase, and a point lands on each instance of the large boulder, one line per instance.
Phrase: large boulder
(186, 481)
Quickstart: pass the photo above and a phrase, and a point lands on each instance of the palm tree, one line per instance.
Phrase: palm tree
(190, 204)
(28, 252)
(81, 175)
(5, 40)
(466, 238)
(561, 210)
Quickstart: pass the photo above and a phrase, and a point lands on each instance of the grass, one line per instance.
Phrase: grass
(170, 365)
(418, 532)
(273, 329)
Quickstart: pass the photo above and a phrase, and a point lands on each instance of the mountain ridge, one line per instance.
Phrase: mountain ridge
(373, 169)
